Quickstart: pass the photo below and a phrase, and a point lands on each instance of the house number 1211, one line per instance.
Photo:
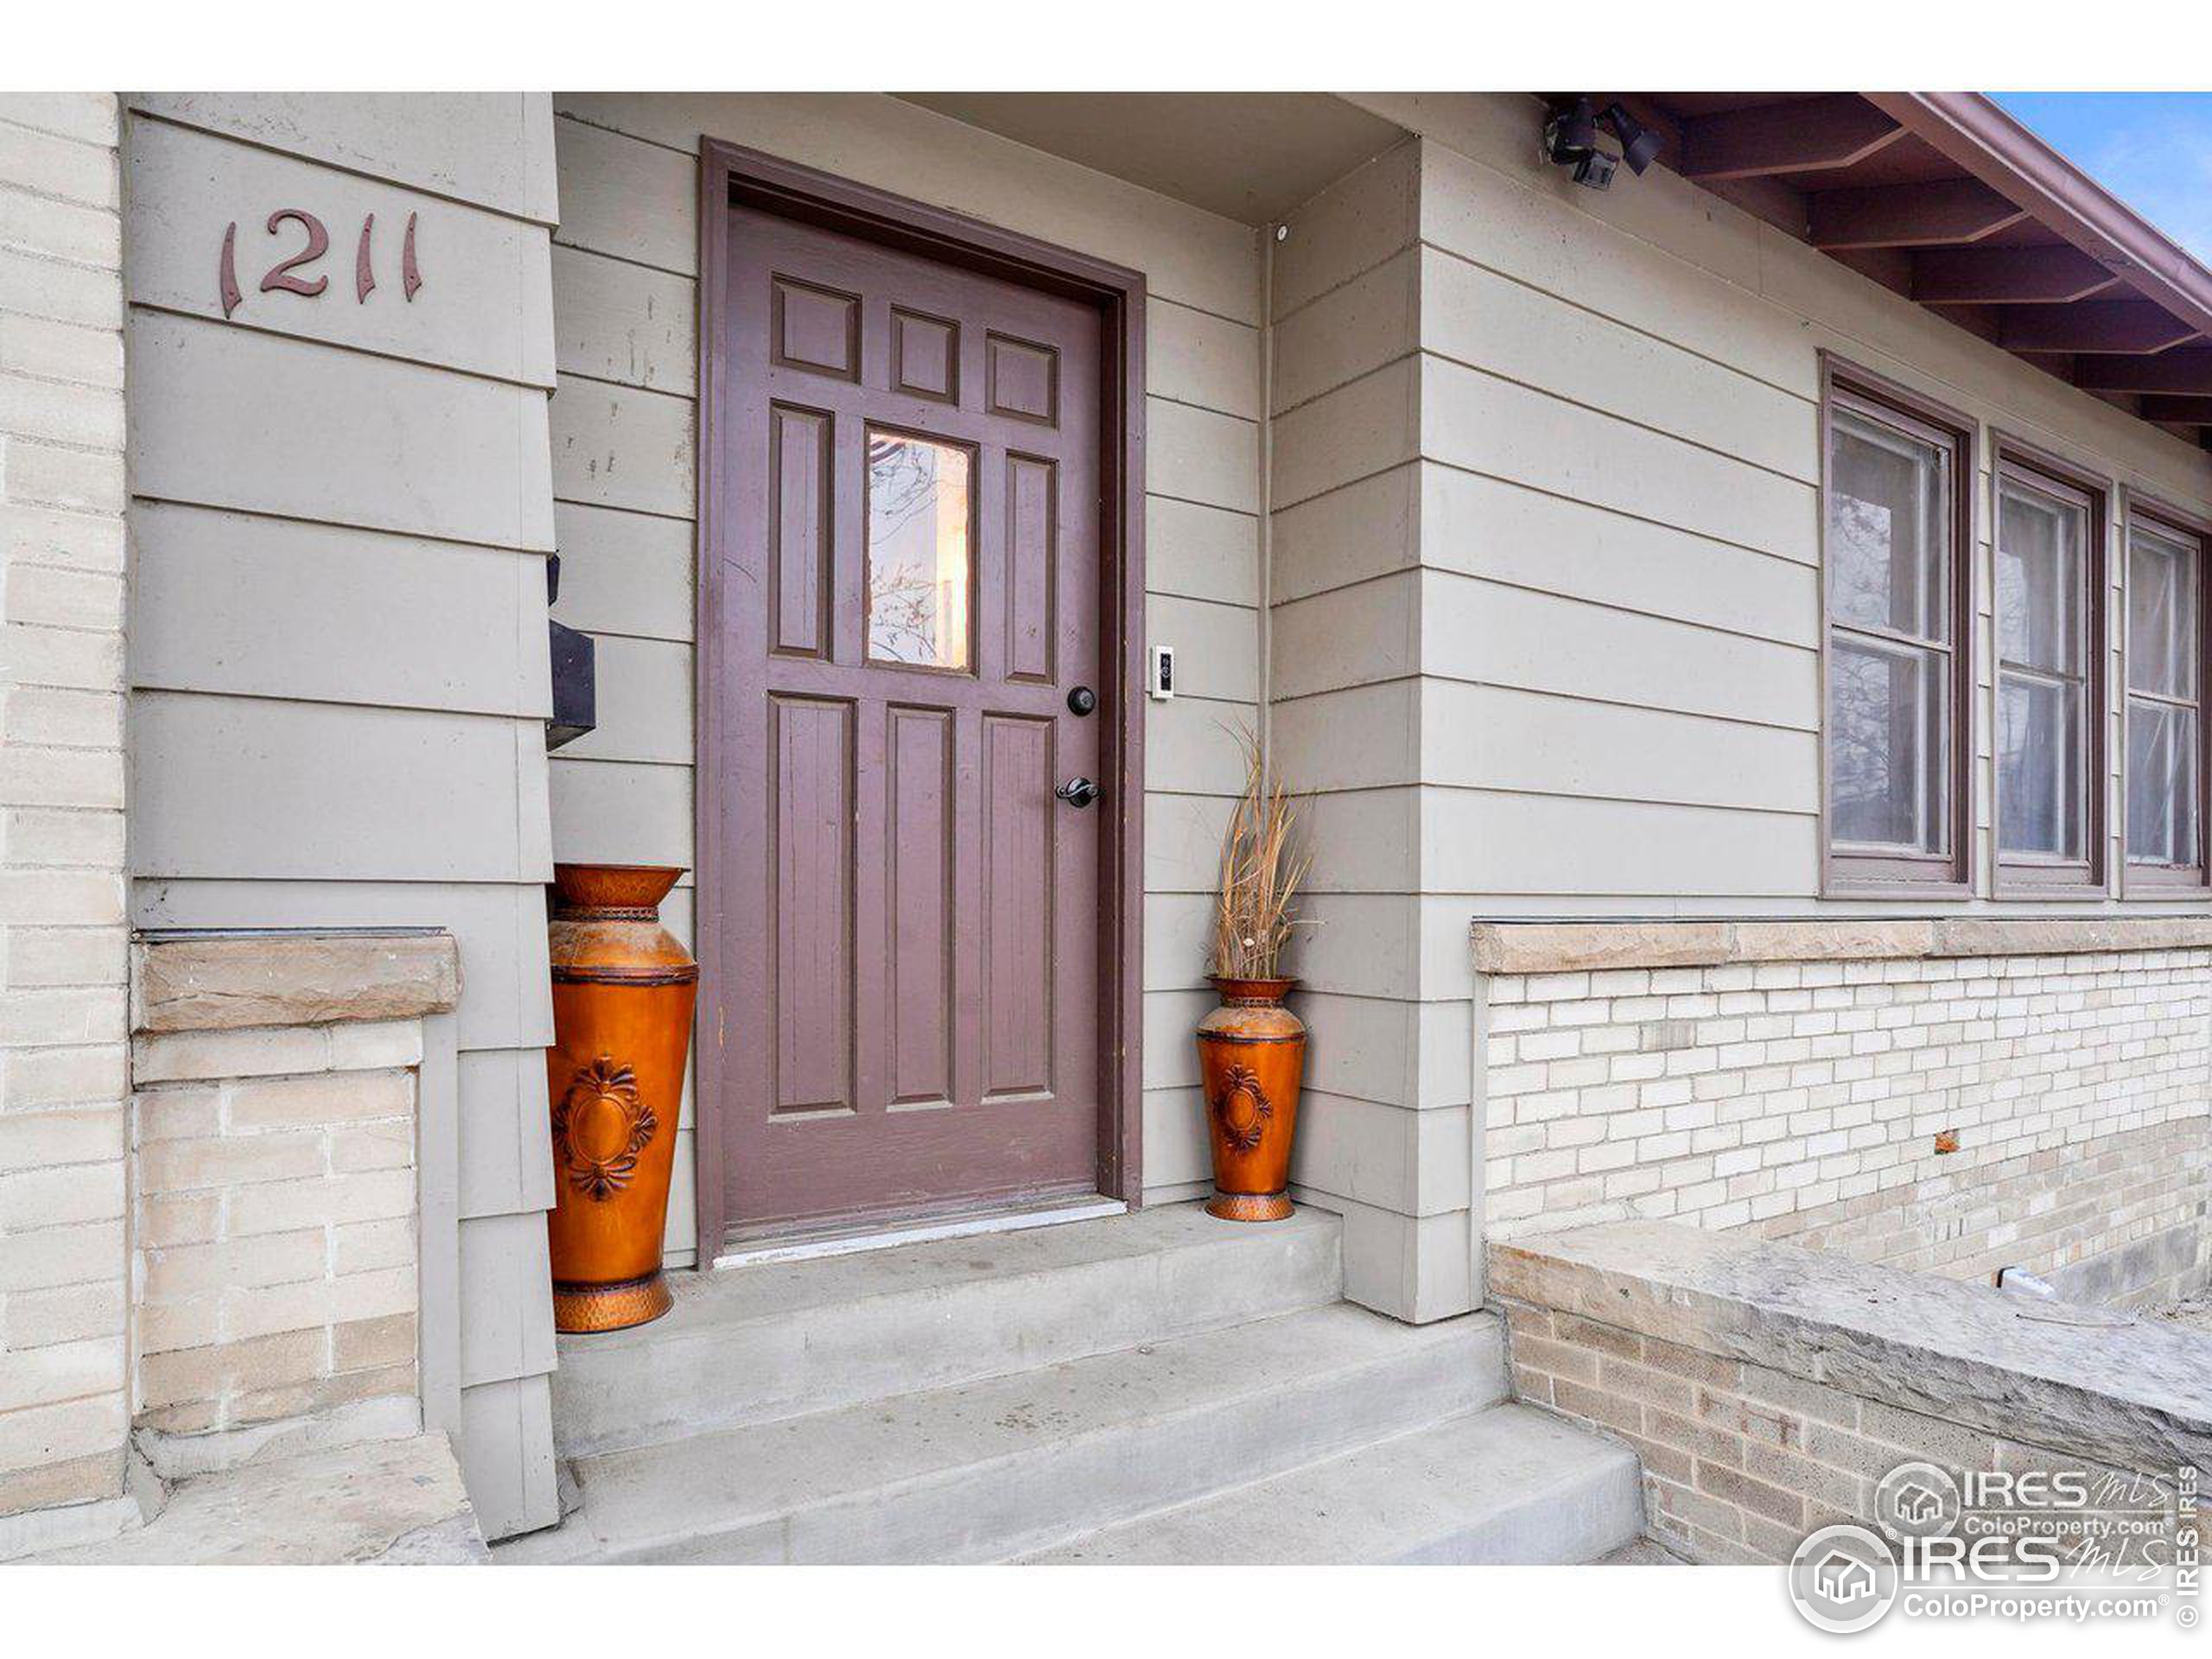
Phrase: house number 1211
(288, 275)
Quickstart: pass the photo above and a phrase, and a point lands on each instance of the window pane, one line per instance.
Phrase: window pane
(1889, 756)
(2161, 784)
(918, 551)
(2161, 614)
(1889, 518)
(2039, 767)
(2039, 589)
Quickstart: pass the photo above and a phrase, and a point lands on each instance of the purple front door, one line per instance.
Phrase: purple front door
(911, 462)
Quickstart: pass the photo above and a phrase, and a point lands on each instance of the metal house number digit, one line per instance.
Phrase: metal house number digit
(281, 277)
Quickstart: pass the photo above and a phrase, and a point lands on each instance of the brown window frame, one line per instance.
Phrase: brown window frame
(2088, 877)
(1846, 872)
(2169, 881)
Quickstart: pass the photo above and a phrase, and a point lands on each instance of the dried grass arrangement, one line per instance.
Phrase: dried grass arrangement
(1260, 871)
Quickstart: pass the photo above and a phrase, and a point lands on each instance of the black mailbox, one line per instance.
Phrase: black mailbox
(576, 685)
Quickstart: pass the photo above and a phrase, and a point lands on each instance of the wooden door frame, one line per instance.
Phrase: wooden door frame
(730, 174)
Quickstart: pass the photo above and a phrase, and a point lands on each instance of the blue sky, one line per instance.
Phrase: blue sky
(2153, 150)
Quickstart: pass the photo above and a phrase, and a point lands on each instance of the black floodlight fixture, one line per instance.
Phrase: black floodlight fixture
(1639, 144)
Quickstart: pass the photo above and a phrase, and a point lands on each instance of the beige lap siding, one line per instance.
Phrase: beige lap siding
(63, 1111)
(341, 509)
(1802, 1100)
(1608, 445)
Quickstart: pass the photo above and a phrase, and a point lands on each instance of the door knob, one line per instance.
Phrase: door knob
(1077, 791)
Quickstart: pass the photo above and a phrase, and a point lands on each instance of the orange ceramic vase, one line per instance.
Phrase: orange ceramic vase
(622, 993)
(1252, 1057)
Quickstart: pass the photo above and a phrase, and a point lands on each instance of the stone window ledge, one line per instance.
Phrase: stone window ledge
(1574, 947)
(2135, 1395)
(227, 981)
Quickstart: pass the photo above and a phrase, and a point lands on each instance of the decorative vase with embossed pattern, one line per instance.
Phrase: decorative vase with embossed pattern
(623, 988)
(1251, 1057)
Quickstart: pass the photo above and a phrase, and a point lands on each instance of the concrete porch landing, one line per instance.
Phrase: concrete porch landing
(1104, 1389)
(396, 1502)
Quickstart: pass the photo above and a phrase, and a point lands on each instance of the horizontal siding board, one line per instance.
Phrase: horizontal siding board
(1175, 1149)
(1489, 737)
(1201, 552)
(1349, 636)
(1354, 737)
(1474, 840)
(1360, 942)
(1197, 454)
(1355, 223)
(1523, 333)
(1368, 529)
(1171, 1054)
(1381, 1154)
(493, 149)
(644, 707)
(624, 322)
(1178, 940)
(1682, 293)
(615, 812)
(1350, 331)
(1197, 358)
(247, 606)
(626, 573)
(314, 432)
(1366, 427)
(1497, 635)
(1191, 743)
(1372, 837)
(1482, 424)
(188, 187)
(1484, 527)
(617, 447)
(252, 788)
(630, 201)
(1182, 841)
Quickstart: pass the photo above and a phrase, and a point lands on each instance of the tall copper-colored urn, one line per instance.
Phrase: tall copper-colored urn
(1252, 1058)
(622, 993)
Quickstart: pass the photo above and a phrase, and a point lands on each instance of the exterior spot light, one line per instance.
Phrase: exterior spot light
(1639, 144)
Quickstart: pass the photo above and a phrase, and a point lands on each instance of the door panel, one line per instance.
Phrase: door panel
(912, 460)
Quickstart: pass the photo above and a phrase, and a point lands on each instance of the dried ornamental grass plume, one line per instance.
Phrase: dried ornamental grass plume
(1260, 878)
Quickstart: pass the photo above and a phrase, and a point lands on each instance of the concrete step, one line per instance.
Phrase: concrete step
(990, 1470)
(1506, 1486)
(757, 1344)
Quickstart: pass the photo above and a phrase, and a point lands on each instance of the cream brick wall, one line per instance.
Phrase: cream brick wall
(63, 1417)
(276, 1232)
(1804, 1099)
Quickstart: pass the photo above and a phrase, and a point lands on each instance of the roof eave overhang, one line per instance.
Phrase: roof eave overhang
(1974, 133)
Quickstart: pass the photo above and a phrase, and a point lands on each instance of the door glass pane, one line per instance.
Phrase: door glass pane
(2039, 766)
(920, 561)
(2162, 752)
(1889, 754)
(2161, 615)
(2039, 590)
(1888, 516)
